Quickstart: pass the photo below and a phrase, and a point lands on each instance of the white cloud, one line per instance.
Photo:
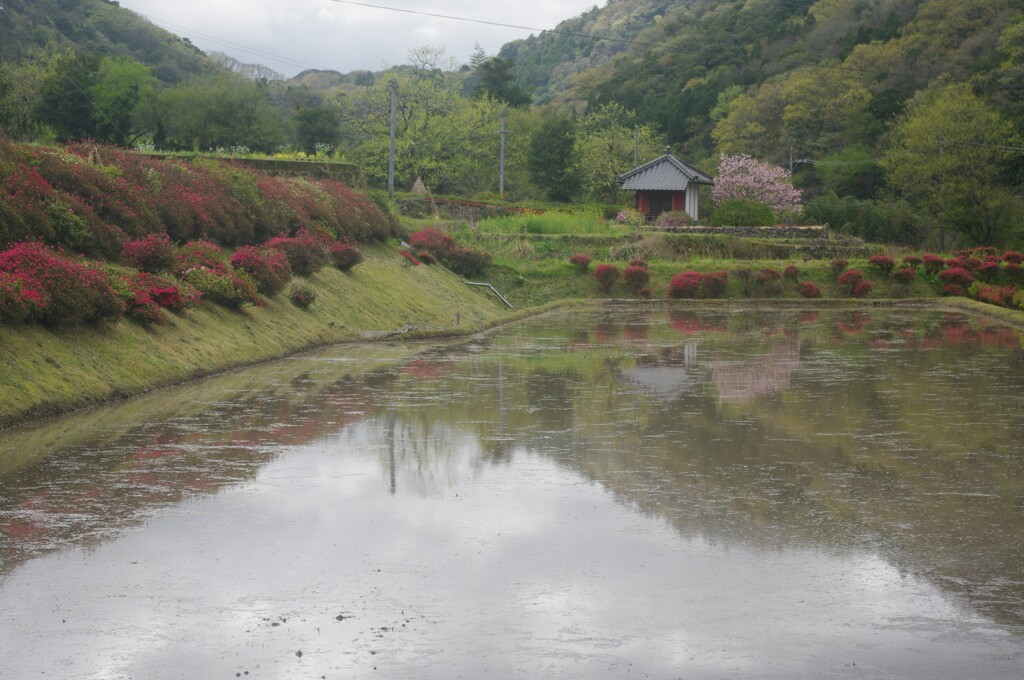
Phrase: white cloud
(299, 34)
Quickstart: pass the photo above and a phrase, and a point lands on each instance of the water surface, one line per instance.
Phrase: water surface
(665, 494)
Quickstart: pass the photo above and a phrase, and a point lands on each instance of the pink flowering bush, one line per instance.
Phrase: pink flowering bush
(606, 275)
(1013, 257)
(743, 177)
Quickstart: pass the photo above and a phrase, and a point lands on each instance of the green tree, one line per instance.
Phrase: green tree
(447, 140)
(221, 110)
(604, 142)
(21, 92)
(948, 155)
(123, 99)
(552, 161)
(65, 104)
(317, 125)
(497, 79)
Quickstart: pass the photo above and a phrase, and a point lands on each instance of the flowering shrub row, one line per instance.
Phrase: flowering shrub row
(435, 245)
(59, 290)
(93, 199)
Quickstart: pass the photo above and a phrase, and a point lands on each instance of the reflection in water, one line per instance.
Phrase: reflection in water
(722, 494)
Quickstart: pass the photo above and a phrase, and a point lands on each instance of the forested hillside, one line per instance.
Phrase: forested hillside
(545, 64)
(100, 26)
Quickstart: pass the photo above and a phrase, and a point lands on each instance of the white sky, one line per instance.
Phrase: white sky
(292, 35)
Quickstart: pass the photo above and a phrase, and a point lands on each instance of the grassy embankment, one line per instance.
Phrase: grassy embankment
(44, 371)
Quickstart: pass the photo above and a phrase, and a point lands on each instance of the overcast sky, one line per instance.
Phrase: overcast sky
(292, 35)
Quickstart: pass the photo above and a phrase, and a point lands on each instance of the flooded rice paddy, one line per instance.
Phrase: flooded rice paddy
(609, 494)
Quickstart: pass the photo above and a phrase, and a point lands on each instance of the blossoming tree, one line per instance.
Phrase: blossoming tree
(744, 177)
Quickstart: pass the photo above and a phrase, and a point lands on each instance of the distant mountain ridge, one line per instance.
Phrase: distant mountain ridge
(97, 26)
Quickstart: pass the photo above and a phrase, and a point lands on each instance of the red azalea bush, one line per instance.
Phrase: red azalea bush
(989, 271)
(997, 295)
(636, 277)
(1013, 257)
(850, 280)
(685, 285)
(18, 302)
(70, 291)
(714, 284)
(152, 254)
(467, 262)
(606, 275)
(139, 303)
(957, 276)
(952, 290)
(768, 281)
(582, 262)
(883, 263)
(904, 276)
(913, 261)
(808, 289)
(307, 252)
(861, 290)
(302, 296)
(933, 264)
(838, 266)
(433, 240)
(199, 254)
(972, 263)
(409, 258)
(92, 198)
(268, 267)
(1014, 272)
(791, 273)
(426, 258)
(346, 255)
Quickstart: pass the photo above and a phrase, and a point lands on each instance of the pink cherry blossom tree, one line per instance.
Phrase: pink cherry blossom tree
(748, 178)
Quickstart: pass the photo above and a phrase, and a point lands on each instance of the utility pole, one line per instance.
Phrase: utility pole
(501, 159)
(391, 153)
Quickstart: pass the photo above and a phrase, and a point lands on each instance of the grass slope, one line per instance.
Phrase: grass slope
(44, 371)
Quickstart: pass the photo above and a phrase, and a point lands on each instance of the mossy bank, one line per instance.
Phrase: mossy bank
(46, 372)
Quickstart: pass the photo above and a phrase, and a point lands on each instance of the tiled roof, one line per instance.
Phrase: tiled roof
(666, 173)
